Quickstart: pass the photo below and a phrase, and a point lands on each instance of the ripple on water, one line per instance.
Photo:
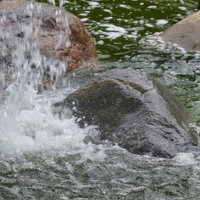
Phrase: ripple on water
(44, 157)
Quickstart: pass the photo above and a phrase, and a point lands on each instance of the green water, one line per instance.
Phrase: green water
(59, 166)
(121, 30)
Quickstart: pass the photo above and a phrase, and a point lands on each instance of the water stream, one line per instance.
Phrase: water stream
(44, 157)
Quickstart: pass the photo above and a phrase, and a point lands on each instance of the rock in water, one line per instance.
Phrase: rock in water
(185, 33)
(51, 32)
(134, 111)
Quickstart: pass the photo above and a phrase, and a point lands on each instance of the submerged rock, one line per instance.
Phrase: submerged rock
(185, 33)
(134, 111)
(50, 32)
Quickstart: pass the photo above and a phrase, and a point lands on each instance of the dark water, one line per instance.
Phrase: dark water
(58, 165)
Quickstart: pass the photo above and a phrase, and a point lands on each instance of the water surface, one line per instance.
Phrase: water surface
(44, 157)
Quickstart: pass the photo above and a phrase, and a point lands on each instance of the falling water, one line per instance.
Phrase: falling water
(43, 156)
(27, 122)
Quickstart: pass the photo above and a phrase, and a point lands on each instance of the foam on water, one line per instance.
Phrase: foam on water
(113, 31)
(161, 22)
(185, 159)
(28, 125)
(182, 8)
(93, 4)
(155, 41)
(152, 7)
(44, 156)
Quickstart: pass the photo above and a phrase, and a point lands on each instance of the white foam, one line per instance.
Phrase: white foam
(101, 42)
(34, 129)
(161, 22)
(149, 25)
(108, 18)
(152, 7)
(84, 19)
(134, 35)
(182, 8)
(124, 6)
(27, 124)
(93, 4)
(114, 31)
(185, 159)
(108, 11)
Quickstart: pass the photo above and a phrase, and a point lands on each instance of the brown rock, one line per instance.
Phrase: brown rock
(51, 30)
(185, 33)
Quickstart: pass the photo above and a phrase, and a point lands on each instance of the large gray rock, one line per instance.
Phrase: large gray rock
(134, 111)
(185, 33)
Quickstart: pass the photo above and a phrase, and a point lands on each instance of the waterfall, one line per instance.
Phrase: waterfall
(26, 119)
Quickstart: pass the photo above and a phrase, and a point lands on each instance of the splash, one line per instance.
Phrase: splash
(27, 124)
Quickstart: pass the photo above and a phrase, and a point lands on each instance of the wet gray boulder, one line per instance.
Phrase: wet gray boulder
(185, 33)
(134, 111)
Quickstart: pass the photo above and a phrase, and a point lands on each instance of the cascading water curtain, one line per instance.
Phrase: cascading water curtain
(28, 66)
